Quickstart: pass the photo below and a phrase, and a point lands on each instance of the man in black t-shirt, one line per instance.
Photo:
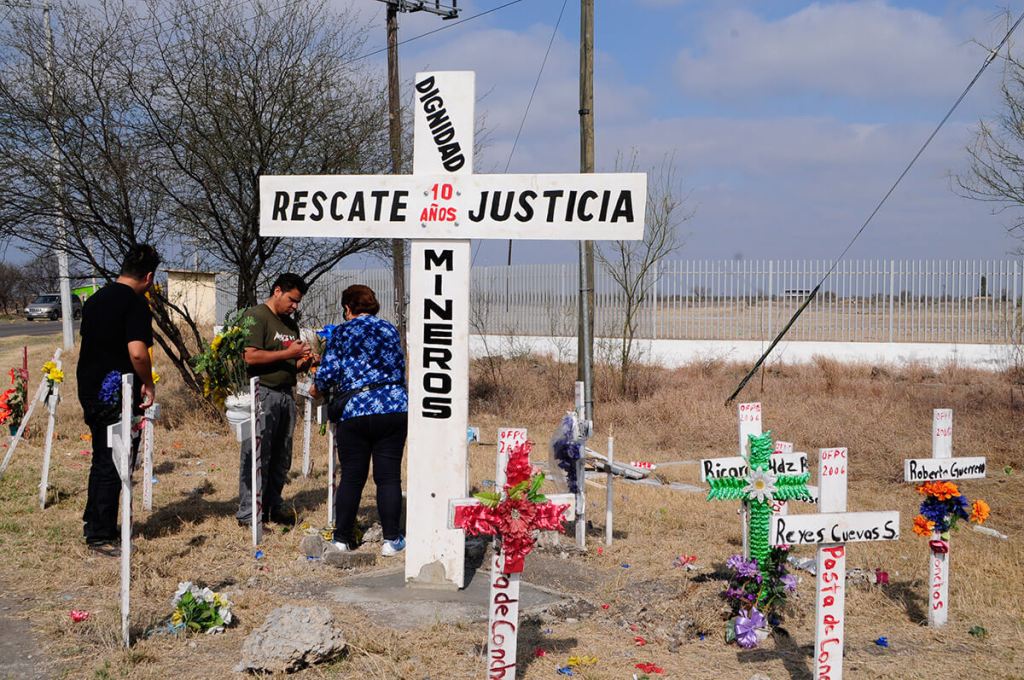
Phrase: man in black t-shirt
(117, 333)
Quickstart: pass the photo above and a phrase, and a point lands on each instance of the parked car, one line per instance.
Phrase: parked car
(47, 306)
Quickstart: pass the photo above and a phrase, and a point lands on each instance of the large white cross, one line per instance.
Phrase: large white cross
(941, 466)
(40, 397)
(119, 439)
(442, 205)
(782, 462)
(831, 529)
(52, 399)
(503, 598)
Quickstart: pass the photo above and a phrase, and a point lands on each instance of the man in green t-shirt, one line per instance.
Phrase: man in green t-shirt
(274, 353)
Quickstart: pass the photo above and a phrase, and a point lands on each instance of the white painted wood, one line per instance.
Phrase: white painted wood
(942, 433)
(256, 479)
(438, 361)
(502, 622)
(508, 439)
(921, 470)
(841, 527)
(307, 432)
(782, 449)
(51, 422)
(581, 473)
(332, 476)
(121, 445)
(599, 206)
(38, 398)
(830, 571)
(608, 526)
(779, 463)
(151, 415)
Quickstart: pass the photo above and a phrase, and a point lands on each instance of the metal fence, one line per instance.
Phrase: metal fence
(962, 301)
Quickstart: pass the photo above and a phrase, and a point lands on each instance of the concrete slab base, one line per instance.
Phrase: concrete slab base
(385, 596)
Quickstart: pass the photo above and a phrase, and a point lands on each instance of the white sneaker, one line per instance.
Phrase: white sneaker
(393, 547)
(339, 546)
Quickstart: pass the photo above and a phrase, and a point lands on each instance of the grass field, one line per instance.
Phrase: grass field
(881, 414)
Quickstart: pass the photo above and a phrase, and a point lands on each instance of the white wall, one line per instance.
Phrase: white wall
(672, 353)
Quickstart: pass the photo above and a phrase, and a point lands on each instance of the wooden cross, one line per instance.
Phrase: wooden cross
(941, 466)
(302, 390)
(321, 419)
(831, 530)
(52, 398)
(119, 439)
(503, 600)
(783, 461)
(441, 206)
(149, 417)
(40, 397)
(758, 488)
(251, 430)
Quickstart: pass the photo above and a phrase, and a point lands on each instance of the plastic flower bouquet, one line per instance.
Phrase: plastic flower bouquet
(13, 399)
(222, 362)
(756, 599)
(199, 610)
(943, 506)
(53, 374)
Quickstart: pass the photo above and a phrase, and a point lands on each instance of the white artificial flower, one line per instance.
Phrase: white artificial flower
(206, 594)
(183, 587)
(760, 485)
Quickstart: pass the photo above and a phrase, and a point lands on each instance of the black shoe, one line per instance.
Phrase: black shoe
(105, 548)
(282, 517)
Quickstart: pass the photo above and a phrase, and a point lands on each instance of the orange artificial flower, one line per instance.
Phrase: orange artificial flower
(979, 511)
(922, 526)
(942, 491)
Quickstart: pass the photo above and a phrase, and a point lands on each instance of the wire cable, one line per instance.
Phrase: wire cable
(814, 292)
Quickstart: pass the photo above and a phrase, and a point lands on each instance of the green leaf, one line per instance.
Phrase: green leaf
(538, 481)
(517, 490)
(488, 498)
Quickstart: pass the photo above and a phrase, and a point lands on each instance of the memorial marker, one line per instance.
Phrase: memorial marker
(256, 482)
(503, 598)
(149, 418)
(831, 530)
(119, 438)
(302, 389)
(39, 397)
(321, 418)
(52, 398)
(942, 466)
(445, 202)
(758, 489)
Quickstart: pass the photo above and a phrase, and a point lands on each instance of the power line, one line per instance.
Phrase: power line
(988, 60)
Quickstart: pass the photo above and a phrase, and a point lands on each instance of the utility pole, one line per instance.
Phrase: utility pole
(585, 335)
(66, 310)
(395, 131)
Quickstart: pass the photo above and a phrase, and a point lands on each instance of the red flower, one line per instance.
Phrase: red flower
(639, 641)
(518, 468)
(648, 667)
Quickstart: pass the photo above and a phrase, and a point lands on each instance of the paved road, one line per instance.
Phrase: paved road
(12, 328)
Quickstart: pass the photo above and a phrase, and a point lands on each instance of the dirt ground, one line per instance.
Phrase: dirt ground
(881, 414)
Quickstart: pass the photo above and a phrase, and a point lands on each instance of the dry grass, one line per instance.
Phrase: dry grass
(882, 415)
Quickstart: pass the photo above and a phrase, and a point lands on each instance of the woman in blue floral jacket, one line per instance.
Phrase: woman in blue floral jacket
(363, 360)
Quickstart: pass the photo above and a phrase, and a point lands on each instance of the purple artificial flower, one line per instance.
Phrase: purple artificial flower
(110, 389)
(746, 628)
(735, 594)
(789, 581)
(743, 568)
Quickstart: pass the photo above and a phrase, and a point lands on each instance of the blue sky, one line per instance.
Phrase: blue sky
(788, 120)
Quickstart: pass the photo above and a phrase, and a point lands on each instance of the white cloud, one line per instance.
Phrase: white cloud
(866, 50)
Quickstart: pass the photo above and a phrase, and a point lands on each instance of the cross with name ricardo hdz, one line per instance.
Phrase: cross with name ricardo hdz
(441, 206)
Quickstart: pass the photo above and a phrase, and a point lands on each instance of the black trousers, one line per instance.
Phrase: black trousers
(380, 438)
(104, 497)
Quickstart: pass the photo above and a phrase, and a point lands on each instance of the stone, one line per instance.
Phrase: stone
(349, 559)
(312, 545)
(375, 534)
(290, 639)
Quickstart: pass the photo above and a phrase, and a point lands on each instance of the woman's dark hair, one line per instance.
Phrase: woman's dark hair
(141, 259)
(360, 299)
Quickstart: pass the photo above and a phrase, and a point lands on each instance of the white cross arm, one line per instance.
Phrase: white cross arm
(932, 469)
(602, 206)
(779, 463)
(835, 527)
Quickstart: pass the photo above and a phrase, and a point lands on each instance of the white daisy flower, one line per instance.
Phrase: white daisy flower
(760, 485)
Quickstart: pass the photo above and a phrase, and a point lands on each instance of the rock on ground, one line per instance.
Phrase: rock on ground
(292, 638)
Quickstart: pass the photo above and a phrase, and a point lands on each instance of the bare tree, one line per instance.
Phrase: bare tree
(996, 171)
(633, 265)
(164, 118)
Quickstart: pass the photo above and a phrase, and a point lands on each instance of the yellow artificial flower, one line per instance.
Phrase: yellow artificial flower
(582, 660)
(156, 377)
(176, 617)
(216, 342)
(49, 366)
(55, 375)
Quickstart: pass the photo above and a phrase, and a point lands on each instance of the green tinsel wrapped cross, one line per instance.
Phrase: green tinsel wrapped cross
(758, 489)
